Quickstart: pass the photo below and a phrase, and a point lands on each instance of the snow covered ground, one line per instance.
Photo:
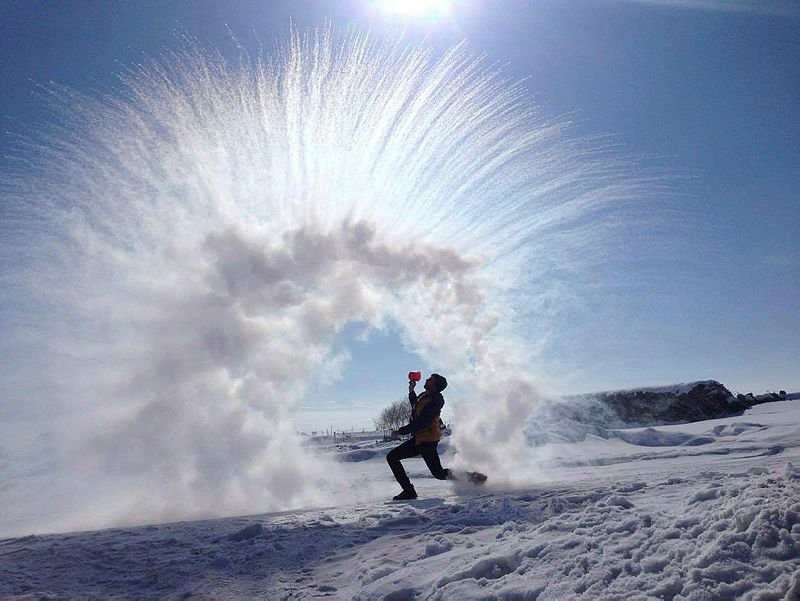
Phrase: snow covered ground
(709, 510)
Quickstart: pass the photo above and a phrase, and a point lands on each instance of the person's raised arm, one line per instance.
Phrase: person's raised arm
(412, 395)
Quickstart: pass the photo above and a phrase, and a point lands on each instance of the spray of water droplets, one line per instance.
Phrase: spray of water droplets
(181, 253)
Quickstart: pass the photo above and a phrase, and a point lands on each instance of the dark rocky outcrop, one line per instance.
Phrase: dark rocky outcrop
(648, 406)
(702, 400)
(573, 418)
(750, 399)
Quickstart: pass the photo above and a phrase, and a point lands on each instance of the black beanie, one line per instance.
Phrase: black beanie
(441, 382)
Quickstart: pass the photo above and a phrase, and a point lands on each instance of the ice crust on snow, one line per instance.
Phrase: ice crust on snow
(718, 520)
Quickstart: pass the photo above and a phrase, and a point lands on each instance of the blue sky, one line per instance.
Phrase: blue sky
(709, 91)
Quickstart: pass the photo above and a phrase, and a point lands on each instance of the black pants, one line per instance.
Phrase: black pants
(407, 450)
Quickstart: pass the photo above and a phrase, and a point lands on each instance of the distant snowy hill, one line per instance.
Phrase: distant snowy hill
(572, 418)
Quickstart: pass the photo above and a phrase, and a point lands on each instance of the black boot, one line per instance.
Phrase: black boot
(407, 494)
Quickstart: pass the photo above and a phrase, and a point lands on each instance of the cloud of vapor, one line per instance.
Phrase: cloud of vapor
(218, 352)
(232, 351)
(183, 253)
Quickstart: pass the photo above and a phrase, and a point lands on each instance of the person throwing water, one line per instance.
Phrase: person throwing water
(425, 431)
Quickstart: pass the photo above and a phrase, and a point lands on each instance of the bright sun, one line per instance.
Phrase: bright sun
(417, 8)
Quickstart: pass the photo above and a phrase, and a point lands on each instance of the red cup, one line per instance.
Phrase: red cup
(414, 376)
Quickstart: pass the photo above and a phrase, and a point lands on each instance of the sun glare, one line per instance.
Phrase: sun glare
(429, 9)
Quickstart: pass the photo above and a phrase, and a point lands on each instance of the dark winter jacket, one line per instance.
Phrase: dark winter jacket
(426, 410)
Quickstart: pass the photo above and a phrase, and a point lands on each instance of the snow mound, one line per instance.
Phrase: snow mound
(650, 437)
(358, 455)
